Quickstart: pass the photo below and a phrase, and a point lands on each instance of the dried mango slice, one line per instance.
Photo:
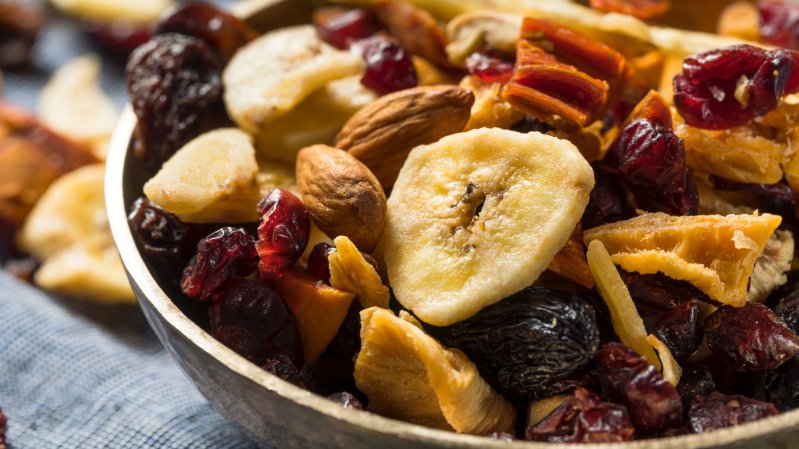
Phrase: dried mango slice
(408, 375)
(715, 253)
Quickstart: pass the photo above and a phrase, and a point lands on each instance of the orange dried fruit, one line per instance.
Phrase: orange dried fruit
(570, 261)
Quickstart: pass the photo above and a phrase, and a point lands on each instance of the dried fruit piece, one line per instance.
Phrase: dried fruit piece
(283, 232)
(788, 310)
(607, 203)
(174, 88)
(490, 66)
(318, 308)
(779, 23)
(383, 133)
(490, 109)
(119, 38)
(527, 340)
(20, 23)
(340, 27)
(160, 234)
(681, 329)
(346, 400)
(464, 211)
(342, 195)
(740, 19)
(3, 428)
(350, 271)
(671, 370)
(628, 379)
(695, 380)
(140, 11)
(282, 367)
(318, 264)
(251, 319)
(211, 179)
(584, 418)
(222, 255)
(717, 411)
(643, 9)
(475, 31)
(570, 261)
(780, 386)
(714, 253)
(415, 30)
(408, 375)
(771, 266)
(540, 409)
(389, 67)
(750, 338)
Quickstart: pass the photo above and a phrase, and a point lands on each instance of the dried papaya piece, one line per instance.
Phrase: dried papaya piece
(715, 253)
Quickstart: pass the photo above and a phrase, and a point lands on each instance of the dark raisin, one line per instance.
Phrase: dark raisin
(253, 320)
(490, 66)
(584, 418)
(643, 9)
(347, 341)
(530, 124)
(658, 292)
(780, 386)
(175, 88)
(283, 232)
(585, 378)
(161, 235)
(20, 23)
(224, 254)
(117, 39)
(779, 23)
(3, 428)
(606, 331)
(340, 27)
(776, 198)
(282, 367)
(607, 201)
(628, 379)
(717, 411)
(730, 86)
(318, 264)
(388, 66)
(346, 400)
(750, 338)
(788, 311)
(222, 31)
(528, 340)
(695, 380)
(681, 329)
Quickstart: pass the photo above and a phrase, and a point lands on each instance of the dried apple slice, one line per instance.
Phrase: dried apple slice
(408, 375)
(715, 253)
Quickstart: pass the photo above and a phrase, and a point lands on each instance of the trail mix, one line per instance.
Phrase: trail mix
(492, 221)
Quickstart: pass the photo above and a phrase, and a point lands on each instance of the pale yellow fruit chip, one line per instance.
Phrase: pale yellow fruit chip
(349, 271)
(137, 11)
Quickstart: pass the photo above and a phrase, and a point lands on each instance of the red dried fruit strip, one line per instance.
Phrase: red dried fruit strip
(779, 23)
(643, 9)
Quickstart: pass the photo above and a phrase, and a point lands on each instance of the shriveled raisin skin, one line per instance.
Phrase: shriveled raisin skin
(717, 411)
(584, 418)
(750, 338)
(253, 320)
(528, 340)
(175, 88)
(628, 379)
(161, 235)
(780, 386)
(681, 330)
(788, 310)
(696, 380)
(222, 255)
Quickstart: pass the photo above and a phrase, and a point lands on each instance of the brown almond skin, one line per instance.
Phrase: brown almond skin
(383, 133)
(342, 195)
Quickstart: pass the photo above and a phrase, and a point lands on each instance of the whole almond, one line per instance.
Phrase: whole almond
(383, 133)
(342, 195)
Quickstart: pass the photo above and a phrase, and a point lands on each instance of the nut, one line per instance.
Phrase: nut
(342, 195)
(415, 29)
(473, 31)
(383, 133)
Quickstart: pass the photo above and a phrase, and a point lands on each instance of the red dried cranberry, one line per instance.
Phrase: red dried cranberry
(346, 400)
(750, 338)
(584, 418)
(340, 28)
(627, 378)
(226, 253)
(606, 203)
(318, 264)
(283, 232)
(651, 166)
(717, 411)
(780, 386)
(117, 38)
(730, 86)
(695, 380)
(490, 66)
(251, 319)
(282, 367)
(20, 24)
(161, 235)
(658, 292)
(779, 23)
(681, 329)
(222, 31)
(788, 311)
(388, 66)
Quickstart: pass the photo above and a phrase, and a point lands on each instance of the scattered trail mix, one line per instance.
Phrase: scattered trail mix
(486, 222)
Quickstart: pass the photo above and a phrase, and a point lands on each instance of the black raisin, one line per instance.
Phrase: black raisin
(780, 386)
(161, 235)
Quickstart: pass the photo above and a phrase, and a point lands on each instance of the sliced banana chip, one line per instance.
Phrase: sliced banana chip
(478, 216)
(213, 178)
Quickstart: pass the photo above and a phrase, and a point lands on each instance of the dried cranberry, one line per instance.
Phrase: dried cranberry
(282, 367)
(340, 28)
(117, 38)
(730, 86)
(161, 235)
(490, 66)
(695, 380)
(681, 329)
(346, 400)
(388, 66)
(584, 418)
(658, 292)
(283, 232)
(606, 203)
(717, 411)
(780, 386)
(779, 23)
(750, 338)
(175, 88)
(253, 320)
(627, 378)
(222, 255)
(788, 311)
(318, 264)
(222, 31)
(651, 166)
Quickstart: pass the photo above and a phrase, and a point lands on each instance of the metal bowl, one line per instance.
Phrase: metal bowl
(276, 413)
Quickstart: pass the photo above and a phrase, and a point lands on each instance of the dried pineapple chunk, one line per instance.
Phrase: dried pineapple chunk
(349, 271)
(714, 253)
(408, 375)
